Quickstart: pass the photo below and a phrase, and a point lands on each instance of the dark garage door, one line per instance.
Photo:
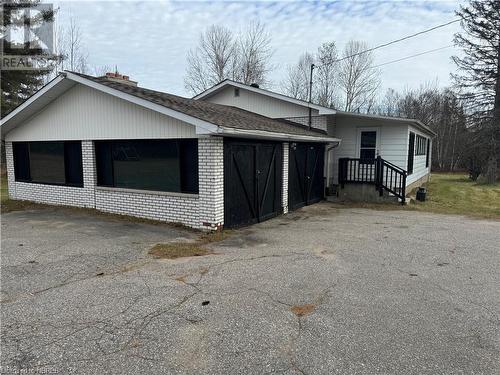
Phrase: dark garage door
(252, 181)
(305, 174)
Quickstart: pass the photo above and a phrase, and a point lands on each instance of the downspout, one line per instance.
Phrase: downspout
(327, 162)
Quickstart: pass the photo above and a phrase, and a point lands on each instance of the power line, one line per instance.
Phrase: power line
(411, 56)
(391, 42)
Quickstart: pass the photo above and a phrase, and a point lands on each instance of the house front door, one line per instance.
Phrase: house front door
(367, 151)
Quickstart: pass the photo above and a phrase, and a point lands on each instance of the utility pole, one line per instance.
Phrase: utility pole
(310, 95)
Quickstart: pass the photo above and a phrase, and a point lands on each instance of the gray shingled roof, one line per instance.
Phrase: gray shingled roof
(222, 115)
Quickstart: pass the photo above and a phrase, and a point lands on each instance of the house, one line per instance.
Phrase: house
(234, 155)
(404, 145)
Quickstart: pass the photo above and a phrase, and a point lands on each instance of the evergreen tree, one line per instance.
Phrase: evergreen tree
(18, 85)
(479, 78)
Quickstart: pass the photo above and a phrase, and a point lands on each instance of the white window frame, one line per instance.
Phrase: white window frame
(358, 140)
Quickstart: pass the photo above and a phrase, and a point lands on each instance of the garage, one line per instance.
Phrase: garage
(305, 174)
(252, 181)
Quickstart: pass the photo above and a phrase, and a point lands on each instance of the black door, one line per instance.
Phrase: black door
(305, 174)
(411, 153)
(252, 181)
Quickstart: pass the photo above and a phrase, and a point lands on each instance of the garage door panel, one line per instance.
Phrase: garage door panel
(305, 175)
(252, 181)
(242, 191)
(267, 180)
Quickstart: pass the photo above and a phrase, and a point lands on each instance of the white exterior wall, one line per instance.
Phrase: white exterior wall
(392, 142)
(419, 168)
(203, 211)
(258, 103)
(55, 194)
(83, 113)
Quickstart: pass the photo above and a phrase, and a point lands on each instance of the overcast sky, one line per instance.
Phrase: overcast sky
(149, 40)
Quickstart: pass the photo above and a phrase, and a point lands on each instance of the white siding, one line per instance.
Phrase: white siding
(259, 103)
(419, 168)
(392, 138)
(86, 114)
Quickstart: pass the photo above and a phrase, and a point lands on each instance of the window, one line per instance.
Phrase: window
(411, 153)
(368, 145)
(236, 91)
(428, 153)
(58, 163)
(421, 145)
(159, 165)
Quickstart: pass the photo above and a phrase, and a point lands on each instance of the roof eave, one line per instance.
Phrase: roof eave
(285, 137)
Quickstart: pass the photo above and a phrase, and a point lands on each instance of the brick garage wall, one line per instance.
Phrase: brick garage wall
(285, 178)
(211, 172)
(170, 207)
(203, 211)
(53, 194)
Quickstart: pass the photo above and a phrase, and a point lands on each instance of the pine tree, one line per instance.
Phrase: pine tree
(480, 69)
(18, 85)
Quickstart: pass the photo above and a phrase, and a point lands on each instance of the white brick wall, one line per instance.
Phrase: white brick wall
(285, 178)
(54, 194)
(170, 207)
(211, 171)
(204, 210)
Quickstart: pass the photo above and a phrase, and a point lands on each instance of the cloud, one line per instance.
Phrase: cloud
(149, 40)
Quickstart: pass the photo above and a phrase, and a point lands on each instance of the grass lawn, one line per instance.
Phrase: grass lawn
(456, 194)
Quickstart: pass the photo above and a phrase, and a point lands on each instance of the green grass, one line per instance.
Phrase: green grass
(451, 193)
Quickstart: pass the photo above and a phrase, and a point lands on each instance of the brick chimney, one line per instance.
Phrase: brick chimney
(120, 78)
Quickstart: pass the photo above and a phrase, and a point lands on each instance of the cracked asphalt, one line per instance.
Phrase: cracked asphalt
(319, 291)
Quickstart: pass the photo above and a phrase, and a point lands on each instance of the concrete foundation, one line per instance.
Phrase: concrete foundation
(362, 193)
(421, 181)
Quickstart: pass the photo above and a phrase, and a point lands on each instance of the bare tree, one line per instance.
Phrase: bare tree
(325, 89)
(71, 47)
(221, 55)
(358, 79)
(296, 84)
(252, 55)
(389, 105)
(100, 70)
(212, 61)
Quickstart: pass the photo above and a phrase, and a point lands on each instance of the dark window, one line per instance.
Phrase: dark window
(236, 91)
(47, 162)
(57, 162)
(428, 153)
(368, 145)
(411, 153)
(161, 165)
(21, 152)
(421, 145)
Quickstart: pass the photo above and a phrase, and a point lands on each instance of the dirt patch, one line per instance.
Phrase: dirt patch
(303, 310)
(178, 250)
(10, 205)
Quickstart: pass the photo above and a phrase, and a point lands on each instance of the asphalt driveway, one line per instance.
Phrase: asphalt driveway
(319, 291)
